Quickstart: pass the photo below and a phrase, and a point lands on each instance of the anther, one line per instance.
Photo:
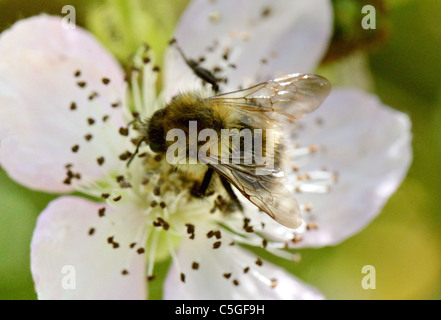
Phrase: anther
(266, 12)
(124, 156)
(75, 148)
(217, 244)
(124, 131)
(297, 238)
(312, 226)
(105, 81)
(195, 266)
(73, 106)
(93, 95)
(100, 161)
(101, 212)
(190, 228)
(81, 84)
(91, 231)
(146, 60)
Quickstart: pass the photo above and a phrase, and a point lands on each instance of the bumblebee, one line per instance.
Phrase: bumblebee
(264, 108)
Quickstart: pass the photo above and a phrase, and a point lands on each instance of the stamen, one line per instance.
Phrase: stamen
(152, 252)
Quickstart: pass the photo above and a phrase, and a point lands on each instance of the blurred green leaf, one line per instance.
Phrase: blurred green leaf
(123, 26)
(19, 208)
(411, 56)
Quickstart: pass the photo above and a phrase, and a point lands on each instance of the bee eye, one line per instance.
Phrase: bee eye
(155, 132)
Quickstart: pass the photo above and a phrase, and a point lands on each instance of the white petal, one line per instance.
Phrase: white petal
(291, 35)
(209, 281)
(369, 145)
(38, 60)
(64, 254)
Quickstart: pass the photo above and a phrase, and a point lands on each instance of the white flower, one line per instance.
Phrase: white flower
(63, 120)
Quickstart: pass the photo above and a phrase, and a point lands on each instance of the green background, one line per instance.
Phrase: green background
(403, 243)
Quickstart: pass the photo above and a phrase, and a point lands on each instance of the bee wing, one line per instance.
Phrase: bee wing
(291, 95)
(265, 190)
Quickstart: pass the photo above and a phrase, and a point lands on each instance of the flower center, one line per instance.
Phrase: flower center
(162, 196)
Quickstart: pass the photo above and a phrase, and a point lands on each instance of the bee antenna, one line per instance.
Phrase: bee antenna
(136, 151)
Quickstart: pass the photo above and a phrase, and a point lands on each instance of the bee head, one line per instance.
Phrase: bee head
(155, 132)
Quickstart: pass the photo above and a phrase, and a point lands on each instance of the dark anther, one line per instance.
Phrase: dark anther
(101, 212)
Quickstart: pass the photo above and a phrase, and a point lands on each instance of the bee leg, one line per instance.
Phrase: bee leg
(136, 151)
(231, 193)
(199, 190)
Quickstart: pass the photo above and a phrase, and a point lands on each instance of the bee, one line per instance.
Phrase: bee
(266, 107)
